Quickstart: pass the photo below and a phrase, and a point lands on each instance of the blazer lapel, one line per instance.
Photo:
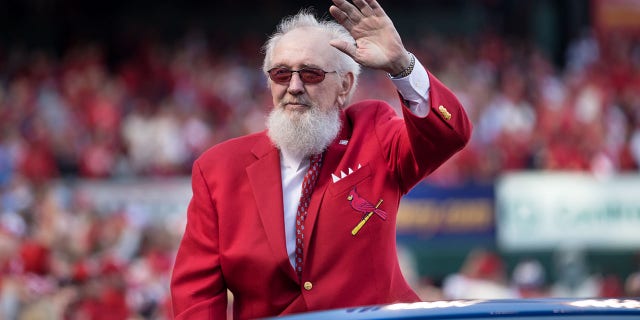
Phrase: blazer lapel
(266, 183)
(333, 156)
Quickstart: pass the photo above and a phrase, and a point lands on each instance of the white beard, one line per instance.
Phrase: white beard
(303, 133)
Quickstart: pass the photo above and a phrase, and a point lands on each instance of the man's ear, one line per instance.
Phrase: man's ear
(345, 89)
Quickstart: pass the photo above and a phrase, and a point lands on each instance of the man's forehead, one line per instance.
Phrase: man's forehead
(304, 45)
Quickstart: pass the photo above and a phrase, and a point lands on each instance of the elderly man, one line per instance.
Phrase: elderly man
(302, 216)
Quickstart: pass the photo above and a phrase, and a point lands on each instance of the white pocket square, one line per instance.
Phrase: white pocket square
(343, 174)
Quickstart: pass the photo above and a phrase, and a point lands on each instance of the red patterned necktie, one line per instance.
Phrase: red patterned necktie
(305, 197)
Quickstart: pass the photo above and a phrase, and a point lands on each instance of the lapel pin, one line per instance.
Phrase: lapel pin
(444, 112)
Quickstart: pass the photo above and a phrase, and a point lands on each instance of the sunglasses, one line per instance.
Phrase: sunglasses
(307, 75)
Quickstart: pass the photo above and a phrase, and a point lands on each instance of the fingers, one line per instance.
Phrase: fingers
(348, 9)
(341, 17)
(364, 7)
(344, 46)
(376, 9)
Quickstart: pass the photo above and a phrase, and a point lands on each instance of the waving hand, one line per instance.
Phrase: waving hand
(378, 44)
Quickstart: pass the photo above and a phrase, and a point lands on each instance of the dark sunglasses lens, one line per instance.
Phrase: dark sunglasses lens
(311, 75)
(280, 75)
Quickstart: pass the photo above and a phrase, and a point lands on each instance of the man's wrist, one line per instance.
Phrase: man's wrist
(406, 71)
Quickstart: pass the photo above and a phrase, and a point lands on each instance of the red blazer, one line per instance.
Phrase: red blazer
(235, 238)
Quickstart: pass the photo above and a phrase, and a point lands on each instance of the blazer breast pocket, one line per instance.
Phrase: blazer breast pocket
(350, 181)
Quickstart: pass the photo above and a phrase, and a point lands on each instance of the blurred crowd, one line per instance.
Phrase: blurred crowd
(532, 115)
(62, 257)
(484, 274)
(85, 114)
(150, 113)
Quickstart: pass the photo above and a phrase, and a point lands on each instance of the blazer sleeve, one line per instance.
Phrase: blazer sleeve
(198, 290)
(424, 143)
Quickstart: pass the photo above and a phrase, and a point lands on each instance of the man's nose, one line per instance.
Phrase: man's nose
(296, 85)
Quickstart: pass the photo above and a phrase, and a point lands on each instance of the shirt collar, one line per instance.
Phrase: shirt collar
(292, 160)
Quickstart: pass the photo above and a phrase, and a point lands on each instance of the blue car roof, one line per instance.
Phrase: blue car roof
(553, 308)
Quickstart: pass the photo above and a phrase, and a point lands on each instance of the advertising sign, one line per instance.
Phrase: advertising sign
(548, 210)
(431, 212)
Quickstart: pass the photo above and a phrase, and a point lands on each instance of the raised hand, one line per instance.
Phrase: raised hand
(378, 44)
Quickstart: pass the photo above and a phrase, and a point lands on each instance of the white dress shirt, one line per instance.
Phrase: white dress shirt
(414, 88)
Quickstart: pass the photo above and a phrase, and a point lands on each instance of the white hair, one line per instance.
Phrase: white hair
(305, 19)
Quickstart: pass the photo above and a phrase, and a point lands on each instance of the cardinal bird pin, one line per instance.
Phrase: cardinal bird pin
(360, 204)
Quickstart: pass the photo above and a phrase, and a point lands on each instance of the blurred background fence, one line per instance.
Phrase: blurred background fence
(105, 104)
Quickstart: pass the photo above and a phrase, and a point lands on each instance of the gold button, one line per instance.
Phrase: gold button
(308, 285)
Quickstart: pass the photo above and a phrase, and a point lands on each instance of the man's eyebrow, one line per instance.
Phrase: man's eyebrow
(302, 66)
(314, 66)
